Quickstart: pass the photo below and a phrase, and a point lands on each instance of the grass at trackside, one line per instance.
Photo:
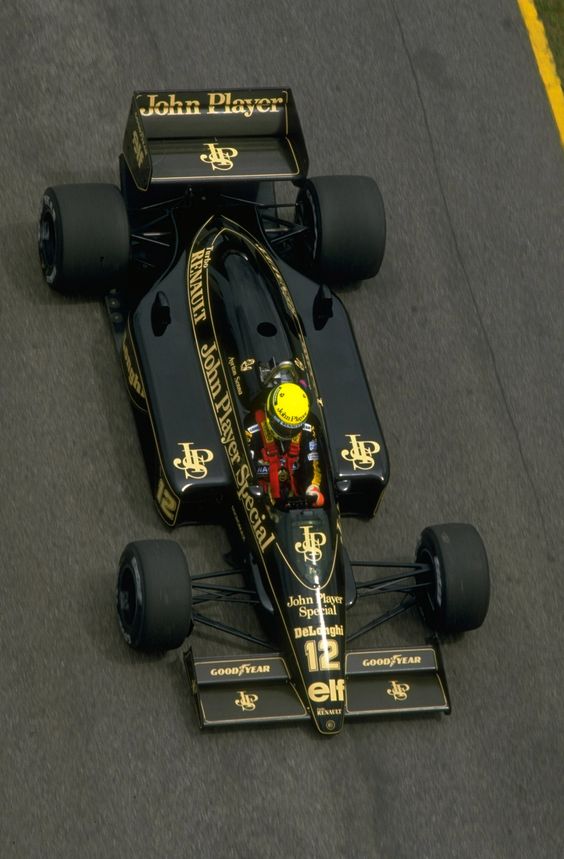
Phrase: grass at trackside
(551, 13)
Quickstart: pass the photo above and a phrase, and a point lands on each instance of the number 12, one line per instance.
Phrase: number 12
(328, 655)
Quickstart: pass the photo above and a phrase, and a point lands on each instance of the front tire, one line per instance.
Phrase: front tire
(83, 238)
(347, 227)
(458, 592)
(154, 595)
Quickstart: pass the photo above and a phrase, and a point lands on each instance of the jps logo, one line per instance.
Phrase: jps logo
(247, 365)
(193, 462)
(361, 453)
(246, 702)
(310, 548)
(398, 691)
(220, 157)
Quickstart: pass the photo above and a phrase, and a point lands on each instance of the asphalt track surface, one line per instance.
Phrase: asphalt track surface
(100, 754)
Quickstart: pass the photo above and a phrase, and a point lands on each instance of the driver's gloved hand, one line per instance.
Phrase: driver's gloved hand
(315, 496)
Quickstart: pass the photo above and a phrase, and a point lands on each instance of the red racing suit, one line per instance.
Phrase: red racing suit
(283, 468)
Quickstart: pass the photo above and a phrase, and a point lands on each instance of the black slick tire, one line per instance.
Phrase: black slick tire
(83, 238)
(154, 595)
(458, 593)
(347, 227)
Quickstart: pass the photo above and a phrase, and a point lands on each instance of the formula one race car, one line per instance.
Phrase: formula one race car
(218, 294)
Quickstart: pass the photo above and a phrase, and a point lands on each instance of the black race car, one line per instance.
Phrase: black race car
(216, 259)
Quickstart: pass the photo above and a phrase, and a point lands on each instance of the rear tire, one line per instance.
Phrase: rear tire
(458, 595)
(347, 223)
(154, 595)
(83, 238)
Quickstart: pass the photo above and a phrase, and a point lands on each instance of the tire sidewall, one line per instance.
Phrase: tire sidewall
(154, 595)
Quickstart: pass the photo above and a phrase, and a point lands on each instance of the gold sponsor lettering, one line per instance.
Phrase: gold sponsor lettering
(228, 440)
(246, 702)
(137, 148)
(163, 107)
(326, 659)
(166, 501)
(247, 365)
(217, 100)
(236, 379)
(334, 690)
(212, 364)
(215, 377)
(224, 102)
(360, 453)
(131, 369)
(310, 547)
(192, 464)
(308, 607)
(299, 600)
(390, 661)
(195, 286)
(324, 711)
(398, 691)
(220, 157)
(216, 380)
(318, 611)
(240, 670)
(331, 599)
(333, 631)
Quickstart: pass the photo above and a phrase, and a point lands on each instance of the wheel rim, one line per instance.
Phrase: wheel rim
(431, 597)
(47, 242)
(127, 598)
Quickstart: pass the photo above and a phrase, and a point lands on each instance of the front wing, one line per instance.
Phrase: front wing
(258, 689)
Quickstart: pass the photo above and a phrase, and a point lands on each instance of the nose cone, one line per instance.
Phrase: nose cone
(330, 724)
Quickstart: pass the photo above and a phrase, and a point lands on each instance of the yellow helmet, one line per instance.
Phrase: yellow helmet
(287, 407)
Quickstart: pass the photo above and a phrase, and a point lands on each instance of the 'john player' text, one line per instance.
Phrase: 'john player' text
(324, 604)
(169, 104)
(221, 400)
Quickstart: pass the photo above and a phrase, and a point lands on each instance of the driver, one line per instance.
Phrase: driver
(283, 446)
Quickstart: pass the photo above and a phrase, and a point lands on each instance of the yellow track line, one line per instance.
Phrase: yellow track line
(545, 62)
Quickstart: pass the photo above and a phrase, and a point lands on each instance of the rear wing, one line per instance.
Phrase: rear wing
(182, 136)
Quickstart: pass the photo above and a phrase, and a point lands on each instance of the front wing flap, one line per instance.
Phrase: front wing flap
(258, 689)
(243, 689)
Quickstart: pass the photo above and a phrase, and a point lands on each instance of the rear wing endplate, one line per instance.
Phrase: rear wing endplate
(182, 136)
